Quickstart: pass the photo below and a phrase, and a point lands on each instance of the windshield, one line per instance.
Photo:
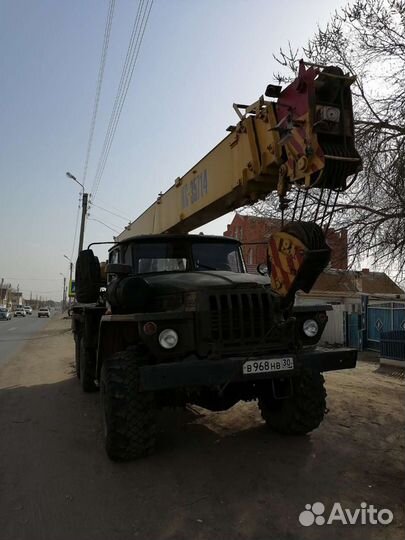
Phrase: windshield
(3, 310)
(182, 256)
(159, 257)
(217, 256)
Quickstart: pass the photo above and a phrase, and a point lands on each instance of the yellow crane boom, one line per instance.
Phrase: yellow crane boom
(303, 137)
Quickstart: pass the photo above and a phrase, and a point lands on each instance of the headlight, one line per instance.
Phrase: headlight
(310, 328)
(168, 338)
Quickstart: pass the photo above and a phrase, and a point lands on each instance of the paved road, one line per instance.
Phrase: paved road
(215, 476)
(15, 333)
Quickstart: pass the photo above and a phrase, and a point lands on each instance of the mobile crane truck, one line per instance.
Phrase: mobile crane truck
(173, 318)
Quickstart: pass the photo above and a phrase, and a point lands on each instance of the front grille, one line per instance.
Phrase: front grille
(241, 318)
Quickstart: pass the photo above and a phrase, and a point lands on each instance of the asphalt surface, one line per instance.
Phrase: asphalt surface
(15, 333)
(214, 476)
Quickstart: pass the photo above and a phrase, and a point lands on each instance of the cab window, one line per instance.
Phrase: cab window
(217, 256)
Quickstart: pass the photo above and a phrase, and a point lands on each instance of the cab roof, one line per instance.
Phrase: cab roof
(148, 238)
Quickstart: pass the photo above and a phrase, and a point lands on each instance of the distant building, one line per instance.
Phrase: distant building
(254, 232)
(348, 286)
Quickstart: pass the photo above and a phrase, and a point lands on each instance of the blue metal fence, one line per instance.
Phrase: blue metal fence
(383, 318)
(392, 345)
(354, 337)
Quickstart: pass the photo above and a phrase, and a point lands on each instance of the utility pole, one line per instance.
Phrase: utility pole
(84, 212)
(70, 277)
(70, 280)
(85, 197)
(64, 292)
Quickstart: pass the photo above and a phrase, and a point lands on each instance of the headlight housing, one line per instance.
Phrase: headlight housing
(168, 338)
(310, 328)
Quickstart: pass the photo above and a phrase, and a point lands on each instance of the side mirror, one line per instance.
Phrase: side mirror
(87, 277)
(262, 269)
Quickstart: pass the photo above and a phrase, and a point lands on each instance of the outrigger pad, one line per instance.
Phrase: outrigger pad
(298, 254)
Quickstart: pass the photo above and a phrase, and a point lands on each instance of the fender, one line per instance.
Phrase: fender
(114, 336)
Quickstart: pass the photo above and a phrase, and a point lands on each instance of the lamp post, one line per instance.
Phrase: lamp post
(85, 197)
(64, 292)
(70, 275)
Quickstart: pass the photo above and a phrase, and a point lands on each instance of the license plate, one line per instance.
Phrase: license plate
(251, 367)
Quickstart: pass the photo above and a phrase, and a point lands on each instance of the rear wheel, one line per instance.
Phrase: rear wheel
(77, 355)
(87, 368)
(300, 413)
(129, 414)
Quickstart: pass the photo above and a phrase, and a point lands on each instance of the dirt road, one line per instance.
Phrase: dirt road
(214, 476)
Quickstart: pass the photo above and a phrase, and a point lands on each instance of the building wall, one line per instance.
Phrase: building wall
(254, 233)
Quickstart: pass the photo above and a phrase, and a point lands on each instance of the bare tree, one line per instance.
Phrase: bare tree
(367, 39)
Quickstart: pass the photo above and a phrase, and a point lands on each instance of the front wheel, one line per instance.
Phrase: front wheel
(300, 413)
(129, 414)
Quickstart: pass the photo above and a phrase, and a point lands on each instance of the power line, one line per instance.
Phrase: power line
(134, 46)
(109, 211)
(105, 224)
(103, 59)
(115, 112)
(111, 206)
(108, 224)
(117, 96)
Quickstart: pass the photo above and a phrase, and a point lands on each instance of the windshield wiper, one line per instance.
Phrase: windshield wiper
(205, 266)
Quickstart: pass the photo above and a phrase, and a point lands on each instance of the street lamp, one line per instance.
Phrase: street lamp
(70, 175)
(85, 197)
(64, 292)
(70, 274)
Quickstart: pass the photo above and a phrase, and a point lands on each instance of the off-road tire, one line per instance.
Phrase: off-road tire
(129, 415)
(77, 355)
(87, 368)
(300, 413)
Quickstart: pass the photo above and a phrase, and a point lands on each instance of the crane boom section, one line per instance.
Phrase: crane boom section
(239, 170)
(304, 138)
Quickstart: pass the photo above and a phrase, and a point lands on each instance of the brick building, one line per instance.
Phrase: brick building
(254, 232)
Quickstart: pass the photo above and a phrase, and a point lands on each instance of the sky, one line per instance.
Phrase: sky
(197, 58)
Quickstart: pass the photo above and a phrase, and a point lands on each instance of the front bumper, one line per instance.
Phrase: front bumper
(194, 372)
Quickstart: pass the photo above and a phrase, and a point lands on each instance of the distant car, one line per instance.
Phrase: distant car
(44, 312)
(19, 311)
(5, 315)
(28, 310)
